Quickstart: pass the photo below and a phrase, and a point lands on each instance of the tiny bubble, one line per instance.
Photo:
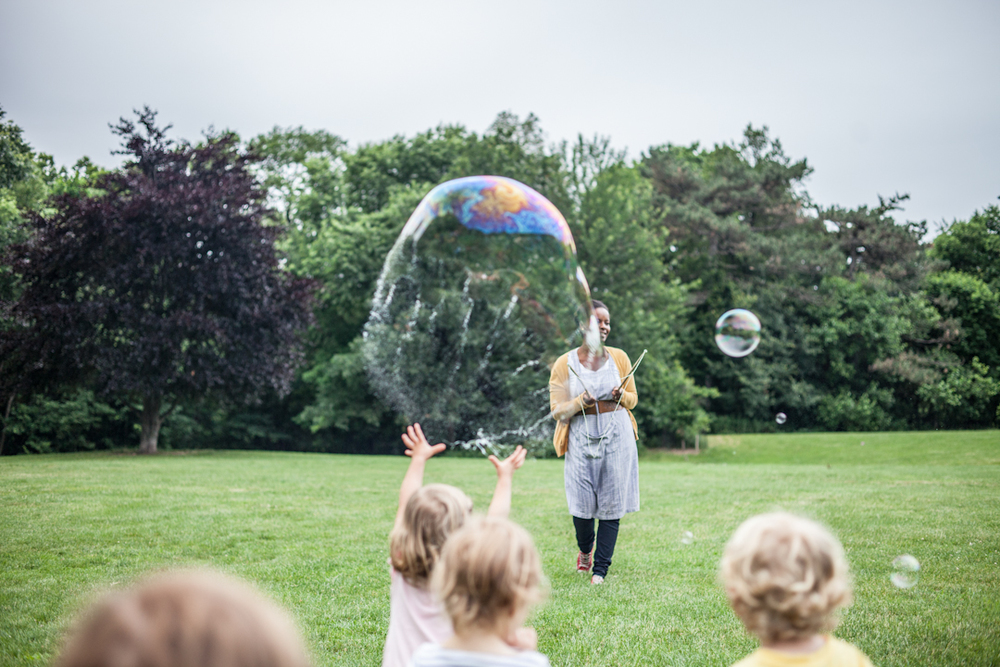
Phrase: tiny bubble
(906, 571)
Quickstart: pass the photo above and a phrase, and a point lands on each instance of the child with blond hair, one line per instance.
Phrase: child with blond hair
(786, 578)
(488, 578)
(184, 619)
(427, 515)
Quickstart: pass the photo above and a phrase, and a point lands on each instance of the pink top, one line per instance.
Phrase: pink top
(415, 617)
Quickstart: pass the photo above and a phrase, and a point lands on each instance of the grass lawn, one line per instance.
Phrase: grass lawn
(311, 531)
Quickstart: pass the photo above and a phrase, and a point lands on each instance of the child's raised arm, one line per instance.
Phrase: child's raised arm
(419, 450)
(500, 505)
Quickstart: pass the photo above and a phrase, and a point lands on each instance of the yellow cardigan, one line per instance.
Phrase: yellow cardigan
(564, 410)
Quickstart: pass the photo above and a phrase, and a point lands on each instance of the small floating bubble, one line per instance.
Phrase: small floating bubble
(905, 571)
(687, 537)
(781, 418)
(737, 332)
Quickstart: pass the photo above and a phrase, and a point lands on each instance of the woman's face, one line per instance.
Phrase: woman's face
(603, 322)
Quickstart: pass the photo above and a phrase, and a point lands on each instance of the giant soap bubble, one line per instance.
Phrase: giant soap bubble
(479, 295)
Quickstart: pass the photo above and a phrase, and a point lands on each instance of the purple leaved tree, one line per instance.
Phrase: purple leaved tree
(164, 287)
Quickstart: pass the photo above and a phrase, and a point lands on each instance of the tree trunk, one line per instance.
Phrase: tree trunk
(6, 419)
(151, 421)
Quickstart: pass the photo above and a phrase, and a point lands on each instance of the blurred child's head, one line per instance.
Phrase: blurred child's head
(431, 515)
(186, 619)
(489, 575)
(785, 576)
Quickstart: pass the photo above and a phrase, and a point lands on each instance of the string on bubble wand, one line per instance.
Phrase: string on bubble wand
(583, 408)
(635, 366)
(621, 394)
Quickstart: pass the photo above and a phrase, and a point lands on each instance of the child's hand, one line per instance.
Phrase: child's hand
(507, 467)
(525, 639)
(417, 446)
(419, 450)
(588, 400)
(616, 393)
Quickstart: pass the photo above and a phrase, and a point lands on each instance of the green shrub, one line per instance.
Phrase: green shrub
(68, 422)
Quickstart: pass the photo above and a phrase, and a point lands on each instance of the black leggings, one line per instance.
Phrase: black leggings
(607, 535)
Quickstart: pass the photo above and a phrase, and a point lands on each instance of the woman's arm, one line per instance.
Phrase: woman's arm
(629, 396)
(561, 404)
(565, 410)
(628, 393)
(419, 450)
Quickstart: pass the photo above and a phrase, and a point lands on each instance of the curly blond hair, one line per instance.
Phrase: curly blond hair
(786, 577)
(431, 514)
(488, 568)
(184, 619)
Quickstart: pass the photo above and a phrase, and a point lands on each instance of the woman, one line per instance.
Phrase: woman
(597, 433)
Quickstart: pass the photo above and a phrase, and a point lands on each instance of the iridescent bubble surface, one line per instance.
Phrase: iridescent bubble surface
(905, 571)
(737, 332)
(479, 295)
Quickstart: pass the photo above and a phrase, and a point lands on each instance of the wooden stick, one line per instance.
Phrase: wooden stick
(632, 372)
(585, 387)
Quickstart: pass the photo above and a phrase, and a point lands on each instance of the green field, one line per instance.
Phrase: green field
(311, 531)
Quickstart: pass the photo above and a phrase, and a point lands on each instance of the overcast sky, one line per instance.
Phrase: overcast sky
(879, 96)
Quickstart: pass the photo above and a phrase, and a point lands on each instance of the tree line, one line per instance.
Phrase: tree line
(220, 288)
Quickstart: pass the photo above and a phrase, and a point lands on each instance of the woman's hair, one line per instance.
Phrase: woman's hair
(785, 576)
(488, 568)
(432, 514)
(595, 304)
(184, 619)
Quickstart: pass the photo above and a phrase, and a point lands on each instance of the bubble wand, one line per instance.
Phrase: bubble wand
(621, 395)
(635, 366)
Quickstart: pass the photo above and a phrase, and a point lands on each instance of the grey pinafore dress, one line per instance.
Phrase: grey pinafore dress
(602, 463)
